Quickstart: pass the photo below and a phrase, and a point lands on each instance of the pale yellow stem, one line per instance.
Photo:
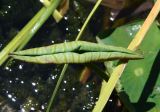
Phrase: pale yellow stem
(46, 3)
(146, 25)
(56, 14)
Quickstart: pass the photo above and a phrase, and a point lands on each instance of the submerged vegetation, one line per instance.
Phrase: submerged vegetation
(95, 75)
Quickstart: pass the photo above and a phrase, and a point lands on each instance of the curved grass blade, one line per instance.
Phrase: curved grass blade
(74, 52)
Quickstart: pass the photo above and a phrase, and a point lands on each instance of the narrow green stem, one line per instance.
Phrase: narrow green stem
(28, 31)
(88, 19)
(57, 87)
(66, 65)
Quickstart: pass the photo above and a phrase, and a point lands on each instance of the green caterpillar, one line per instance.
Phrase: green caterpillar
(74, 52)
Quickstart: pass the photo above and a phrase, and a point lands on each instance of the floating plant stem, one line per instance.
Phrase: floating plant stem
(107, 87)
(66, 65)
(57, 87)
(88, 19)
(29, 30)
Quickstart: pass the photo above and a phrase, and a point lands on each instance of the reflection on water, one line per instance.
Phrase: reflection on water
(28, 87)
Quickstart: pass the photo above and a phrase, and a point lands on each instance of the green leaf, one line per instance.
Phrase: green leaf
(74, 52)
(140, 80)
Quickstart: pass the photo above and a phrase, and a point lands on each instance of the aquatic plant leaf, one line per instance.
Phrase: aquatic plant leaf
(140, 80)
(74, 52)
